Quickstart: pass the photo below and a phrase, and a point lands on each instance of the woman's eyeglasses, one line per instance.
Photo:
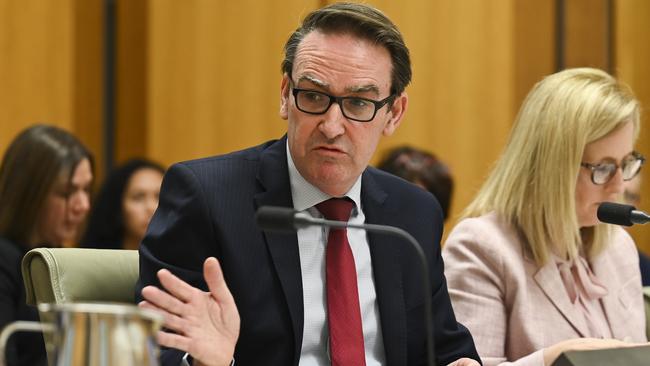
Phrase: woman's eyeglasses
(602, 173)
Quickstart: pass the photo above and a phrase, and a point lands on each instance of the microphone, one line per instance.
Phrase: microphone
(283, 219)
(619, 214)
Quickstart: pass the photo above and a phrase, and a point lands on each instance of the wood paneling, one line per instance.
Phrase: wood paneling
(201, 77)
(586, 34)
(131, 65)
(87, 78)
(36, 65)
(50, 68)
(214, 74)
(461, 98)
(632, 65)
(535, 46)
(473, 62)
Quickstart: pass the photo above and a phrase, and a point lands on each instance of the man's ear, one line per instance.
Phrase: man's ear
(284, 97)
(397, 111)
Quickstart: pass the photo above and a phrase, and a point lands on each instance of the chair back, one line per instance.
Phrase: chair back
(60, 275)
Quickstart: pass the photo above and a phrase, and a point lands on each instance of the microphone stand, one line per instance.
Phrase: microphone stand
(302, 220)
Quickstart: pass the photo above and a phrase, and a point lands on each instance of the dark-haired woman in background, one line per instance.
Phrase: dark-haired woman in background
(124, 206)
(45, 179)
(423, 169)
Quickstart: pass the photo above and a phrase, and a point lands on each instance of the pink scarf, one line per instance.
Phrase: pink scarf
(585, 291)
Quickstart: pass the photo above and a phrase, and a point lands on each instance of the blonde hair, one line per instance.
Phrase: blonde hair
(533, 183)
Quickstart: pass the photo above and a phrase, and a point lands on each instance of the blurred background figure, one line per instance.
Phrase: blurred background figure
(45, 180)
(531, 271)
(632, 196)
(423, 169)
(124, 206)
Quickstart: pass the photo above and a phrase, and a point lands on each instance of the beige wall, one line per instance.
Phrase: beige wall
(201, 77)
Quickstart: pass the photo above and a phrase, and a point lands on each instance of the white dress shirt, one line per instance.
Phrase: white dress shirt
(311, 244)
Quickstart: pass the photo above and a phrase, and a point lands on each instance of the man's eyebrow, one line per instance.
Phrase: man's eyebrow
(314, 81)
(351, 89)
(363, 89)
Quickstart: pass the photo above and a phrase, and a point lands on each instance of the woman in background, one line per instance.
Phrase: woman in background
(531, 271)
(422, 169)
(45, 180)
(124, 206)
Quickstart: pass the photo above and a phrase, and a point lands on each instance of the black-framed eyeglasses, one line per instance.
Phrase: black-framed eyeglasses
(353, 108)
(602, 173)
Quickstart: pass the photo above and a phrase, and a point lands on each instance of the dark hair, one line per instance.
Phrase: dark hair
(362, 21)
(106, 223)
(419, 166)
(34, 161)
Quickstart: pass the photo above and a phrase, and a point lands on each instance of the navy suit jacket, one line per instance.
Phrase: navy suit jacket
(207, 208)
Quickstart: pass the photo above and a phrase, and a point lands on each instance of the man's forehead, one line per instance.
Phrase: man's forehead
(342, 62)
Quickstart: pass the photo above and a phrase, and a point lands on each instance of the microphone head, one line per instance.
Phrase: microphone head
(274, 218)
(615, 213)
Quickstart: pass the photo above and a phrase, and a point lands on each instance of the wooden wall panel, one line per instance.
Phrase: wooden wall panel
(214, 74)
(632, 65)
(473, 62)
(586, 34)
(87, 79)
(535, 48)
(131, 65)
(461, 99)
(36, 58)
(208, 61)
(201, 77)
(50, 69)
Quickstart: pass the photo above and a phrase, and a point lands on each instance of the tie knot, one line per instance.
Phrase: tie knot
(338, 209)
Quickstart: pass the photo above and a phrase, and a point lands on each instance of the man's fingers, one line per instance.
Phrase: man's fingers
(162, 300)
(171, 321)
(177, 287)
(172, 340)
(216, 283)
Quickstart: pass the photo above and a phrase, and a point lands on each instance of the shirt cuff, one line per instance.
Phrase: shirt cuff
(187, 360)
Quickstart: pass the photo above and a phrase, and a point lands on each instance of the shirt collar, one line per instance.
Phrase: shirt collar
(306, 195)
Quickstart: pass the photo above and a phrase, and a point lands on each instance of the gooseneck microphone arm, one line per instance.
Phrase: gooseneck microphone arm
(271, 218)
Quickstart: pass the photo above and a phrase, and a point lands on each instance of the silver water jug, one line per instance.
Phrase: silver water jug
(93, 334)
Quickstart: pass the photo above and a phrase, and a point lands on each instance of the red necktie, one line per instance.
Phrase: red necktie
(344, 315)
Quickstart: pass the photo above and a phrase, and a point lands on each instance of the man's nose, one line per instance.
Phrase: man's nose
(333, 123)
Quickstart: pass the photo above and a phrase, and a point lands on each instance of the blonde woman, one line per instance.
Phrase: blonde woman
(531, 271)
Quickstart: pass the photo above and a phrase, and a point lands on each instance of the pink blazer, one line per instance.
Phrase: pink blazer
(514, 309)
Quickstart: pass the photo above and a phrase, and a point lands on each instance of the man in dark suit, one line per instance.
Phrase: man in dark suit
(267, 300)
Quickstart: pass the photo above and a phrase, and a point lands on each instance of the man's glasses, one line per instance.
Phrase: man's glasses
(603, 172)
(353, 108)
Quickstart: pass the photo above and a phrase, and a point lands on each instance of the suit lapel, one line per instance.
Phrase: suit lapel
(273, 176)
(606, 273)
(548, 278)
(387, 272)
